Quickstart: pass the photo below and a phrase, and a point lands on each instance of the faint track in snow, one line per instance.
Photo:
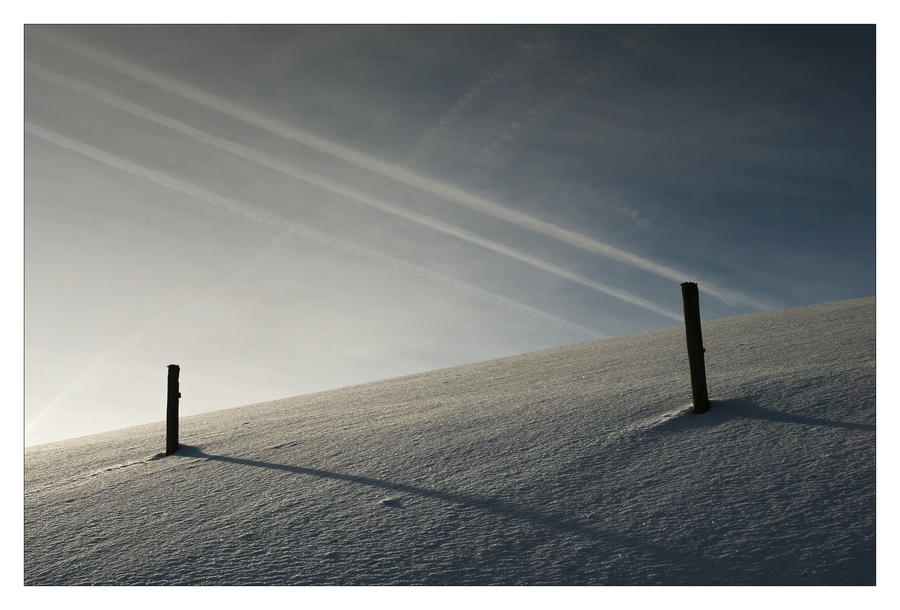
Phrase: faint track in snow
(500, 506)
(81, 479)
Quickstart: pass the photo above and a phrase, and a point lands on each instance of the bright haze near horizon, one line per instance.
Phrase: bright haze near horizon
(282, 210)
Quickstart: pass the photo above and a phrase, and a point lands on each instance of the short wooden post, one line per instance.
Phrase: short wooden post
(172, 410)
(691, 298)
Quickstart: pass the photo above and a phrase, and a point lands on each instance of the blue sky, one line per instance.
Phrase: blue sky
(284, 210)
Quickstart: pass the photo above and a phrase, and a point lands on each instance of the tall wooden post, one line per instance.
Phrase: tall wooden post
(691, 298)
(172, 410)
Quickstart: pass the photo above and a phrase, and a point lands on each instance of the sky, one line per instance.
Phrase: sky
(288, 209)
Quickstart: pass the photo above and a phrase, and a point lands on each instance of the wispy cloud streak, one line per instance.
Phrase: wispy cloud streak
(400, 174)
(303, 230)
(157, 324)
(345, 191)
(73, 386)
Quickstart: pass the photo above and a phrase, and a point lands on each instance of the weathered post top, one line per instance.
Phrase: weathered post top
(691, 298)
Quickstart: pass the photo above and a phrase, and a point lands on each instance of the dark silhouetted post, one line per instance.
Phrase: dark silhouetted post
(691, 297)
(172, 411)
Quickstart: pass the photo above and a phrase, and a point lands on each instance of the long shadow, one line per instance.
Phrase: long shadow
(493, 505)
(741, 407)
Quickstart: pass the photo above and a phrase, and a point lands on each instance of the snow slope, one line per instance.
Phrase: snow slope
(577, 465)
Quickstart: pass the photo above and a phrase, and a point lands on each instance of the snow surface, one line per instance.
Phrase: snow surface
(579, 465)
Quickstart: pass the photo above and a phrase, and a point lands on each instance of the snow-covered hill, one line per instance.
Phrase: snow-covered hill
(576, 465)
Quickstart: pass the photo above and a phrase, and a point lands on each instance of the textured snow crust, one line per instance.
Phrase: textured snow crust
(580, 465)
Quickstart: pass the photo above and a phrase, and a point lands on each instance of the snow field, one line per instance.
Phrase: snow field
(579, 465)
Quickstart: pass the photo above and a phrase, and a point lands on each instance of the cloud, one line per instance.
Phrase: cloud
(410, 178)
(335, 187)
(504, 72)
(449, 118)
(304, 231)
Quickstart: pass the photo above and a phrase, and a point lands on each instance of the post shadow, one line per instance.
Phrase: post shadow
(730, 409)
(493, 505)
(741, 407)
